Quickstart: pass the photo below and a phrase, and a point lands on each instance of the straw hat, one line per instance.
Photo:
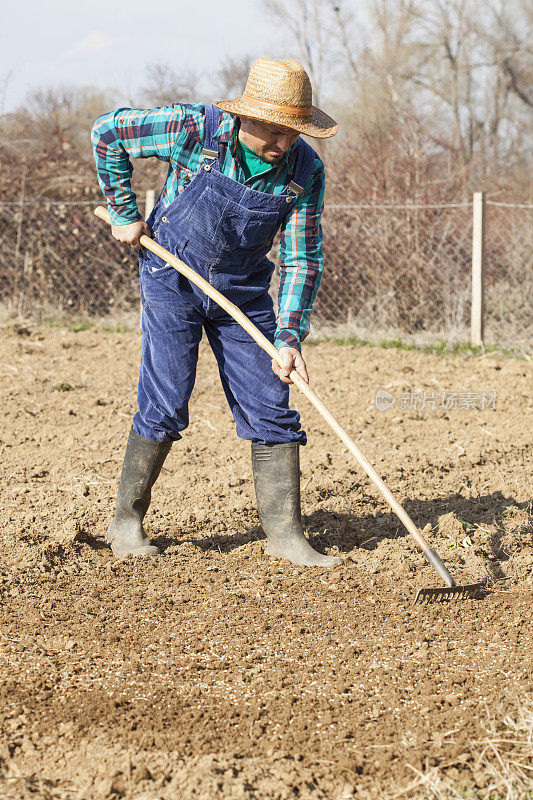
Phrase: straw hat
(278, 91)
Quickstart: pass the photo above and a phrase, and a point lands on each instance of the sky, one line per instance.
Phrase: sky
(105, 43)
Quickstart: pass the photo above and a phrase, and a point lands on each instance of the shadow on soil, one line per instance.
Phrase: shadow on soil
(224, 543)
(347, 531)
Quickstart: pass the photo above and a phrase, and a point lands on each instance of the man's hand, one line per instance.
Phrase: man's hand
(130, 234)
(292, 359)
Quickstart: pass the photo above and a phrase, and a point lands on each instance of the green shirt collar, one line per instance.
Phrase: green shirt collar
(231, 136)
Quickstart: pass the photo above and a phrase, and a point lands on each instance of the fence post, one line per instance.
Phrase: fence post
(149, 202)
(477, 321)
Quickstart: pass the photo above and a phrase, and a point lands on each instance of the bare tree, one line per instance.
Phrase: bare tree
(478, 65)
(59, 118)
(163, 86)
(52, 110)
(449, 74)
(232, 75)
(391, 59)
(4, 85)
(507, 31)
(307, 23)
(434, 60)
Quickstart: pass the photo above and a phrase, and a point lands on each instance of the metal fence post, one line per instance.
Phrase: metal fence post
(478, 269)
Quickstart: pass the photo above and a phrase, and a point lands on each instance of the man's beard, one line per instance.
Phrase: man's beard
(273, 159)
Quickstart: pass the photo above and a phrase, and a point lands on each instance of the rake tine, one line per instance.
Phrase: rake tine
(444, 594)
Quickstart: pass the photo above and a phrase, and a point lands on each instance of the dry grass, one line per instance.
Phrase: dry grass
(502, 766)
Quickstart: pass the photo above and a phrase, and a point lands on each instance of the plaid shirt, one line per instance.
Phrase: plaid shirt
(176, 134)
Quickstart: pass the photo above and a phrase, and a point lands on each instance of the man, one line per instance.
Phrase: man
(238, 172)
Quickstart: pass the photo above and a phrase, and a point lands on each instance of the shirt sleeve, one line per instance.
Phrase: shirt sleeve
(135, 133)
(301, 262)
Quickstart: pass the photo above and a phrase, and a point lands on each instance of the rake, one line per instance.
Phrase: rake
(423, 595)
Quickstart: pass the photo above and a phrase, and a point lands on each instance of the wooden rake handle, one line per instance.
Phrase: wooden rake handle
(304, 387)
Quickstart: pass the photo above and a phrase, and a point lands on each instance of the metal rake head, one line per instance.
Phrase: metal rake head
(441, 594)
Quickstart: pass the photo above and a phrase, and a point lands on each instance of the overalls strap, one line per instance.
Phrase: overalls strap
(304, 167)
(212, 121)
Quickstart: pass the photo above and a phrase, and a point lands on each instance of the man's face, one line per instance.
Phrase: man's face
(269, 141)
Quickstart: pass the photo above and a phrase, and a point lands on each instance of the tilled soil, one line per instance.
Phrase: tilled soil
(213, 671)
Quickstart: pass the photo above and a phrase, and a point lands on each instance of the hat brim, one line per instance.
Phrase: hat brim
(318, 125)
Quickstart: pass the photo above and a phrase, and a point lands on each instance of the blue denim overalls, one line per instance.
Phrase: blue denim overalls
(223, 230)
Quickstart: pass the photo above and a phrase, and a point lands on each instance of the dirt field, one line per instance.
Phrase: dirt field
(213, 672)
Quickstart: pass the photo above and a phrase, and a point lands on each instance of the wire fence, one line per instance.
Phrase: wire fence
(402, 271)
(59, 259)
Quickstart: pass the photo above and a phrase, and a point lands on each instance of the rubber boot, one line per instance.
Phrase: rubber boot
(276, 471)
(142, 464)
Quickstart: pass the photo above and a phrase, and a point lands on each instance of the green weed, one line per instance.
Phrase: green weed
(441, 348)
(81, 326)
(62, 387)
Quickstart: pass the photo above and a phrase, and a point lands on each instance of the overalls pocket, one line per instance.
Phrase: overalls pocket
(229, 225)
(259, 230)
(216, 219)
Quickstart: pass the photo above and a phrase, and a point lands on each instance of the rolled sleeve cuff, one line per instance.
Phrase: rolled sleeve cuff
(287, 338)
(124, 215)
